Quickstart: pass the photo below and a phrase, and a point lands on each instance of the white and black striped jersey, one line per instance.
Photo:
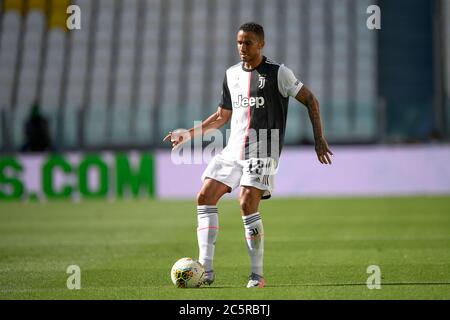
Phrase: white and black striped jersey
(259, 101)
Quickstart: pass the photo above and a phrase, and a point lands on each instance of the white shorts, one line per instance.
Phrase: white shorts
(255, 172)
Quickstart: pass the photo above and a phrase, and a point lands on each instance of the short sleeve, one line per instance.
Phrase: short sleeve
(288, 84)
(226, 96)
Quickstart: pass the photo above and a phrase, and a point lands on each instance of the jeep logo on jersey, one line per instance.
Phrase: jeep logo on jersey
(245, 102)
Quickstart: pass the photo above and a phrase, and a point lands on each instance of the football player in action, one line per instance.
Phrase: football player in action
(255, 98)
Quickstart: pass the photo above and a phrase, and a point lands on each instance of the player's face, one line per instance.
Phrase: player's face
(249, 46)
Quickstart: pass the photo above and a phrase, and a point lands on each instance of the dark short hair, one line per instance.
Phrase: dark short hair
(253, 27)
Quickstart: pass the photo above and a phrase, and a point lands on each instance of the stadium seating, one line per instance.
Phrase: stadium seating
(137, 69)
(9, 38)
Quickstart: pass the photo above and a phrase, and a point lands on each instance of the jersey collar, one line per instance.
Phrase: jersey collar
(259, 65)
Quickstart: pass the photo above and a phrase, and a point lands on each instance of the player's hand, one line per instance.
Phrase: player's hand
(177, 137)
(323, 151)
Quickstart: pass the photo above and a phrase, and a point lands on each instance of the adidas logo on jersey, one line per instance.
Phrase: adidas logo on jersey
(245, 102)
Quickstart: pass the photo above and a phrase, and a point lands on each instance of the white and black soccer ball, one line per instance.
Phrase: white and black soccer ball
(187, 273)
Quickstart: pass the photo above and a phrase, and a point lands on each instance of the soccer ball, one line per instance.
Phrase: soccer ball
(187, 273)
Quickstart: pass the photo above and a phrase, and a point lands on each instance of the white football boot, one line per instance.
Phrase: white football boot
(255, 281)
(208, 277)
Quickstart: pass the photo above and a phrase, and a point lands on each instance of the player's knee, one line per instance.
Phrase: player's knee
(249, 200)
(246, 207)
(201, 198)
(204, 198)
(247, 203)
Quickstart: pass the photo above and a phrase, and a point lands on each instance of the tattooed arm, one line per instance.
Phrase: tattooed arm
(307, 98)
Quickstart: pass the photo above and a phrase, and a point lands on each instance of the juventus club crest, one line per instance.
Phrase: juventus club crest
(261, 82)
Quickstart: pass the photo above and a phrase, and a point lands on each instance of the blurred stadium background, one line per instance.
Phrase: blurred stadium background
(139, 68)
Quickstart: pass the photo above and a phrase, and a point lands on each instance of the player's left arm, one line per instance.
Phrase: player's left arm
(307, 98)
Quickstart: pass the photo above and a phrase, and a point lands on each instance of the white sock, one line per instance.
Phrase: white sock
(207, 229)
(254, 235)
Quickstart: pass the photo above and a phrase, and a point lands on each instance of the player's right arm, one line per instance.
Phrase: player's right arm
(213, 122)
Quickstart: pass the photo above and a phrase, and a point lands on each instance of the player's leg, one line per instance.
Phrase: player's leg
(211, 192)
(249, 200)
(257, 183)
(208, 223)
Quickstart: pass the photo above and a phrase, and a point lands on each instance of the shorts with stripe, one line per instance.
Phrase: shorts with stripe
(255, 172)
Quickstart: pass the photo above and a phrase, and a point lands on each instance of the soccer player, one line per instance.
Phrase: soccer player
(255, 98)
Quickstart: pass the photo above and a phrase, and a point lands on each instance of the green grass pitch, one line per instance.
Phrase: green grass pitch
(314, 249)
